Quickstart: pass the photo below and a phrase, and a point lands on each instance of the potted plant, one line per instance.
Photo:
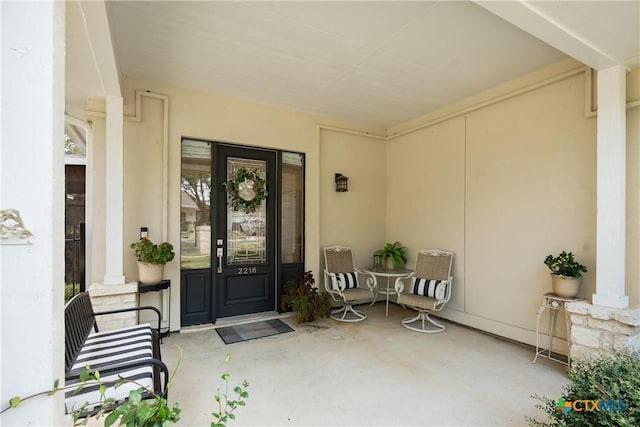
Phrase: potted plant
(565, 274)
(151, 259)
(305, 300)
(393, 255)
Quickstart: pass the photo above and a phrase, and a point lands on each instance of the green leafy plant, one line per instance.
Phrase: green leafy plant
(133, 412)
(395, 251)
(305, 300)
(148, 252)
(136, 411)
(604, 390)
(564, 265)
(227, 404)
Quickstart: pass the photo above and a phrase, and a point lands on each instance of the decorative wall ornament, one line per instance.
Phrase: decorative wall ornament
(246, 190)
(12, 229)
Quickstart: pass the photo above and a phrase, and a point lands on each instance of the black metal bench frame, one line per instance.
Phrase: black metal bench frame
(80, 320)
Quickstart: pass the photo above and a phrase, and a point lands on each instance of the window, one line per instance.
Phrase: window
(195, 205)
(292, 207)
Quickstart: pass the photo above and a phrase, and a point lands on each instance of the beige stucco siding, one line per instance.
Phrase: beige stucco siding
(355, 218)
(530, 191)
(426, 188)
(501, 185)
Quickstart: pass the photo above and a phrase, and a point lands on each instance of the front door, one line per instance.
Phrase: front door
(244, 236)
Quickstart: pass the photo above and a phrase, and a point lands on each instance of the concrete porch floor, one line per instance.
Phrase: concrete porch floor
(371, 373)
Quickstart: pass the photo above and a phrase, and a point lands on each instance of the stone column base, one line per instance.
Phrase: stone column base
(595, 328)
(114, 297)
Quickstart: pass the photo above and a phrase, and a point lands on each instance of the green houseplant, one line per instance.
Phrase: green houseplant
(565, 274)
(151, 259)
(305, 300)
(393, 254)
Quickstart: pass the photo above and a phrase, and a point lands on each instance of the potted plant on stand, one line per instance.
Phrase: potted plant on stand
(151, 259)
(393, 255)
(565, 274)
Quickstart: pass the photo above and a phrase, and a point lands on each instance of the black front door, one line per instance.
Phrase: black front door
(244, 236)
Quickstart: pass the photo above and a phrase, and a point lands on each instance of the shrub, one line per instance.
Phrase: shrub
(603, 391)
(305, 300)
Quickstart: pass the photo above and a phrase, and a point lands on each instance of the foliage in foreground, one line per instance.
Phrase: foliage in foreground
(227, 404)
(603, 391)
(139, 412)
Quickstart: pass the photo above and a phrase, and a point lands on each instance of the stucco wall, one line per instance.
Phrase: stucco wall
(425, 191)
(503, 185)
(217, 118)
(143, 153)
(530, 192)
(355, 218)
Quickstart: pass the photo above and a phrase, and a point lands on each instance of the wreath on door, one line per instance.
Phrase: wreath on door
(246, 190)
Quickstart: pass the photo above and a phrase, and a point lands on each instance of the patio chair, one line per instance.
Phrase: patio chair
(344, 283)
(426, 290)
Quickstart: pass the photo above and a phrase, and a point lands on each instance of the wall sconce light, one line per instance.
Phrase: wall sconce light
(341, 183)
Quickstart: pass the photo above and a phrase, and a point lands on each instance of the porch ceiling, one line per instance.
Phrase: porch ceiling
(374, 63)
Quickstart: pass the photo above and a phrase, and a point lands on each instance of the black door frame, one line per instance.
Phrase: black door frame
(282, 272)
(269, 272)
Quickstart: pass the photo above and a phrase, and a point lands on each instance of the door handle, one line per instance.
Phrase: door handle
(219, 254)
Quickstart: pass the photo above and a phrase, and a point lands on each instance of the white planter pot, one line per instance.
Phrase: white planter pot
(565, 286)
(388, 263)
(150, 274)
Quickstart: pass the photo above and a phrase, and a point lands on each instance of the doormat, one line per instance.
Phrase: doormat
(251, 331)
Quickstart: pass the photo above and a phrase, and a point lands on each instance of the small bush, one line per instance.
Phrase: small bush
(305, 300)
(603, 391)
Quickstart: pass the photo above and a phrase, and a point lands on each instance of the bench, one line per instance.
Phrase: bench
(132, 353)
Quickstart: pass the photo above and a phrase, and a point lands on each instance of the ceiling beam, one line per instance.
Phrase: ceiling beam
(97, 27)
(525, 15)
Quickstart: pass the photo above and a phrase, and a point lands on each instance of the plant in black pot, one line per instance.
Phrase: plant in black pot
(151, 259)
(565, 274)
(393, 255)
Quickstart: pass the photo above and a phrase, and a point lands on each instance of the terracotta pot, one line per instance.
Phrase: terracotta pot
(565, 286)
(150, 274)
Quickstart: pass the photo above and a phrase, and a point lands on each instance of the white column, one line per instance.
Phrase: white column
(611, 152)
(114, 193)
(32, 37)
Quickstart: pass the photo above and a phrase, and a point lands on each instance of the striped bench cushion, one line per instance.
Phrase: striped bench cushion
(350, 280)
(104, 352)
(428, 288)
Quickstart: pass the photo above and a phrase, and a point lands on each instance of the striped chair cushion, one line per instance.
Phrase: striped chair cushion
(350, 280)
(103, 352)
(428, 288)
